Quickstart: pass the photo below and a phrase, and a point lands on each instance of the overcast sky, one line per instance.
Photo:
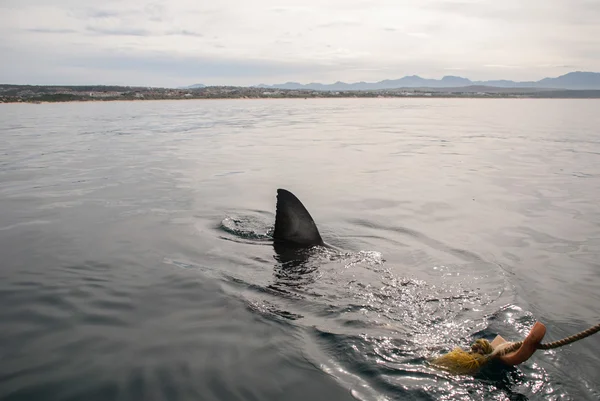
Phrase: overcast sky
(247, 42)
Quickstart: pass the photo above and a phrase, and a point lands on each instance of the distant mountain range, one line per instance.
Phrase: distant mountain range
(572, 80)
(195, 86)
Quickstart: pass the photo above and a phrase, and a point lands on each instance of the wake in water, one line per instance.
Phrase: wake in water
(373, 329)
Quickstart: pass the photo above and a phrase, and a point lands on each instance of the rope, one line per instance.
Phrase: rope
(555, 344)
(462, 362)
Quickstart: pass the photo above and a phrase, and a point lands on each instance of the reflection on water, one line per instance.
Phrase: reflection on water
(137, 259)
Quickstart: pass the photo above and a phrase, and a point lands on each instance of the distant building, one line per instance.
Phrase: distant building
(105, 94)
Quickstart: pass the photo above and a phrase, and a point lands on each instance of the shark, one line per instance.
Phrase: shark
(295, 232)
(294, 226)
(297, 242)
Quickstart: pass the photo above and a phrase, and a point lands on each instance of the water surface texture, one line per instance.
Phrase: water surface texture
(137, 262)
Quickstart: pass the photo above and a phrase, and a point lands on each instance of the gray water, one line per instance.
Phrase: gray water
(137, 262)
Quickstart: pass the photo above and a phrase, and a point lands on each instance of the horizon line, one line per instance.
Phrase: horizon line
(305, 84)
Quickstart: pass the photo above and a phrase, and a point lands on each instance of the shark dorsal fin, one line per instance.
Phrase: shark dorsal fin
(293, 223)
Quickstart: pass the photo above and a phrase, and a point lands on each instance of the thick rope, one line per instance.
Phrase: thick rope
(555, 344)
(463, 362)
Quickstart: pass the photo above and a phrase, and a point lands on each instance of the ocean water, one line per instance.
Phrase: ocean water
(137, 262)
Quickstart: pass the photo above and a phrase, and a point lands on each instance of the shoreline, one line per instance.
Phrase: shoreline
(487, 97)
(99, 93)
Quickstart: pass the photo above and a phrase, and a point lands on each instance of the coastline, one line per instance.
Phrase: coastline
(421, 88)
(473, 97)
(31, 94)
(34, 103)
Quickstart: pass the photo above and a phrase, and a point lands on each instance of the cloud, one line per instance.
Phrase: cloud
(501, 66)
(51, 30)
(573, 67)
(118, 31)
(340, 24)
(124, 68)
(184, 32)
(102, 14)
(241, 42)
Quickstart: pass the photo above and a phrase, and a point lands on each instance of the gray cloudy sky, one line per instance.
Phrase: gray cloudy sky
(246, 42)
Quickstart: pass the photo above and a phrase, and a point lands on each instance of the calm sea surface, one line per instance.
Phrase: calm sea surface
(136, 260)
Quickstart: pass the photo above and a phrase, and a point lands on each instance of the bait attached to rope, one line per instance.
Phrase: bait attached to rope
(459, 361)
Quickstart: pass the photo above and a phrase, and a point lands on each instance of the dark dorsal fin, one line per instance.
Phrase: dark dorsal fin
(293, 223)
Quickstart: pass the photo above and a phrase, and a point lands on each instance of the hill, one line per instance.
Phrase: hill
(573, 80)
